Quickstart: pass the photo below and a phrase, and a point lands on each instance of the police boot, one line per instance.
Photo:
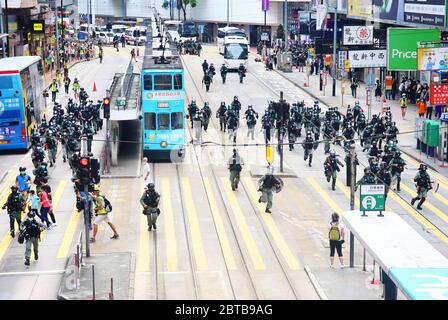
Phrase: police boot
(64, 160)
(311, 159)
(419, 206)
(333, 184)
(413, 200)
(36, 256)
(398, 184)
(154, 226)
(27, 262)
(51, 164)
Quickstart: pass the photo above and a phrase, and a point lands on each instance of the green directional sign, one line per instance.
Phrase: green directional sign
(120, 102)
(372, 197)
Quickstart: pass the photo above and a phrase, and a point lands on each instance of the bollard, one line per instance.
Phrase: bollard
(93, 282)
(111, 293)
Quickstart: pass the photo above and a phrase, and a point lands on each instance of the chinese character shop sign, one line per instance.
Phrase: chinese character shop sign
(358, 35)
(367, 58)
(438, 94)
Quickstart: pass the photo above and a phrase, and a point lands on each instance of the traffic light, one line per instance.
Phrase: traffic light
(95, 170)
(106, 108)
(84, 170)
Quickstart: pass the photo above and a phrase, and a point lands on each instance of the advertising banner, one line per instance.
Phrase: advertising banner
(438, 94)
(321, 17)
(358, 35)
(360, 8)
(367, 58)
(432, 59)
(342, 56)
(389, 82)
(429, 12)
(402, 46)
(265, 5)
(392, 10)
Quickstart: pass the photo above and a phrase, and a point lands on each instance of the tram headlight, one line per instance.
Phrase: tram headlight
(164, 144)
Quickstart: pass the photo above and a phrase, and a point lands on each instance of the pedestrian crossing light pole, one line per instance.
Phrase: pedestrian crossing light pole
(335, 30)
(84, 177)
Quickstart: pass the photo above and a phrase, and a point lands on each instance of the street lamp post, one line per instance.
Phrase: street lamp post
(286, 25)
(335, 30)
(228, 12)
(5, 17)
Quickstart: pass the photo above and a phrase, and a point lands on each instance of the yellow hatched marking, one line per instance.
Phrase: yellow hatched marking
(289, 257)
(222, 235)
(193, 223)
(435, 210)
(428, 225)
(170, 233)
(249, 241)
(331, 203)
(69, 233)
(143, 256)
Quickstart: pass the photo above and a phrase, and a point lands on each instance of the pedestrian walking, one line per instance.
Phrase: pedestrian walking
(30, 230)
(235, 165)
(429, 110)
(59, 78)
(267, 184)
(378, 90)
(146, 171)
(100, 55)
(76, 87)
(53, 90)
(336, 238)
(67, 84)
(354, 86)
(45, 206)
(403, 105)
(150, 202)
(133, 55)
(421, 105)
(23, 181)
(34, 198)
(102, 210)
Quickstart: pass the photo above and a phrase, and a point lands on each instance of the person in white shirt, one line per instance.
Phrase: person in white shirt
(336, 237)
(146, 171)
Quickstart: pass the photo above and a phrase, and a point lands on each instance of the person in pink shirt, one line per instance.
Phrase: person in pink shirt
(45, 207)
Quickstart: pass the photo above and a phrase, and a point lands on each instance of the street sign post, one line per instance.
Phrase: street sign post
(372, 198)
(369, 102)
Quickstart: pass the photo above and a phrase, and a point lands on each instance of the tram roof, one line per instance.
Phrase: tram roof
(152, 56)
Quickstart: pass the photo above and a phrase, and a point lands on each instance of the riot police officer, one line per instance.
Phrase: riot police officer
(367, 178)
(397, 167)
(192, 110)
(384, 176)
(235, 165)
(266, 185)
(309, 146)
(51, 144)
(331, 168)
(206, 114)
(251, 122)
(207, 80)
(221, 114)
(423, 184)
(150, 202)
(14, 205)
(241, 72)
(232, 125)
(223, 73)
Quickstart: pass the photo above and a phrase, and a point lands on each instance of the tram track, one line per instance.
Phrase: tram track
(280, 262)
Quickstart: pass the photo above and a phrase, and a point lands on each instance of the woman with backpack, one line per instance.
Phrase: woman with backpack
(336, 237)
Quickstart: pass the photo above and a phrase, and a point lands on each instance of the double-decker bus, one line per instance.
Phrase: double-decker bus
(163, 93)
(21, 100)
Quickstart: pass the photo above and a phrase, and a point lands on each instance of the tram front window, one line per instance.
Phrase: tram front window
(163, 82)
(163, 121)
(235, 51)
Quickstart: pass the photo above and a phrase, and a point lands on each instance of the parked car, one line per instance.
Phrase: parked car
(106, 37)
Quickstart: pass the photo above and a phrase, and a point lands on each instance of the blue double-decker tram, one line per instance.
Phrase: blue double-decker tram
(163, 94)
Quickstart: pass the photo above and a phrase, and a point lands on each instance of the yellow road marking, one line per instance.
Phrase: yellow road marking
(440, 198)
(5, 244)
(289, 257)
(170, 233)
(8, 182)
(64, 248)
(222, 235)
(346, 191)
(193, 223)
(428, 225)
(249, 241)
(435, 210)
(143, 249)
(331, 203)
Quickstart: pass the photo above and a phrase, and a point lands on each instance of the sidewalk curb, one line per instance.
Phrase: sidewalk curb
(320, 292)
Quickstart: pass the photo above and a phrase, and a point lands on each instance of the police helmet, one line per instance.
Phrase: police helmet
(22, 169)
(31, 214)
(235, 98)
(403, 95)
(398, 154)
(14, 188)
(332, 153)
(423, 167)
(151, 186)
(366, 170)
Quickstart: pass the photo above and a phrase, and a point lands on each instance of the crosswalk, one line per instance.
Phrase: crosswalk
(229, 217)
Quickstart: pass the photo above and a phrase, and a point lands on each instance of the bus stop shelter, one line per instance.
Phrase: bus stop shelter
(407, 260)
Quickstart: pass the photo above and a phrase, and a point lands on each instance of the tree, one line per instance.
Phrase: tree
(280, 34)
(183, 4)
